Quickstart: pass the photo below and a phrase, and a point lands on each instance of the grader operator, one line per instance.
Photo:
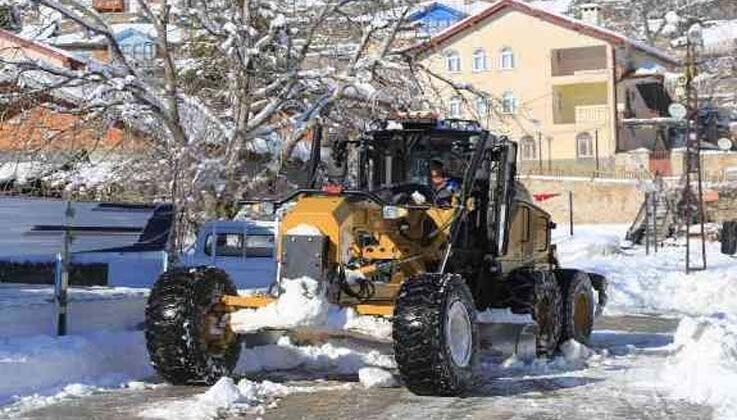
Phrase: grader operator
(434, 230)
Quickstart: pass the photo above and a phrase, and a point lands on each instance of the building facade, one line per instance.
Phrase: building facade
(559, 86)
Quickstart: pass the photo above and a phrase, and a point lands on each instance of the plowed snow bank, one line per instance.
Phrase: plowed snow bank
(703, 368)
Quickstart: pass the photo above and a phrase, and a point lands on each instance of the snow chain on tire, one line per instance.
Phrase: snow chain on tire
(424, 356)
(537, 293)
(578, 305)
(175, 334)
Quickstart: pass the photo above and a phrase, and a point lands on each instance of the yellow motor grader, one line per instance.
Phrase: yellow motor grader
(387, 247)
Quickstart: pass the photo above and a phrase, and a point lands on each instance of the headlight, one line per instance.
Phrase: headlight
(393, 212)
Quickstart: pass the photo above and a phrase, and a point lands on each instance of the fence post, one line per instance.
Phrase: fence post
(647, 223)
(570, 211)
(60, 295)
(63, 264)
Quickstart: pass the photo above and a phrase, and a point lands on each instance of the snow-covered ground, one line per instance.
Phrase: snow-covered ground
(697, 364)
(655, 283)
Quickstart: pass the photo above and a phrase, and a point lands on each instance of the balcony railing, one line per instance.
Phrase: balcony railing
(109, 5)
(591, 113)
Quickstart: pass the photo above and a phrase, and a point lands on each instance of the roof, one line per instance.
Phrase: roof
(120, 31)
(69, 58)
(548, 16)
(426, 9)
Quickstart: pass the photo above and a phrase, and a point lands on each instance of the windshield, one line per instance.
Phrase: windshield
(407, 160)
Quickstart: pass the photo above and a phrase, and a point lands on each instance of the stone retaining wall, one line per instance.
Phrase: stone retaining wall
(594, 200)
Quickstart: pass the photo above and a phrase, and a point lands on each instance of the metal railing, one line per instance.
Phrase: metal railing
(591, 113)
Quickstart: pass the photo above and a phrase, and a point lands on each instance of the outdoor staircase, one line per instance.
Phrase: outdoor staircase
(655, 221)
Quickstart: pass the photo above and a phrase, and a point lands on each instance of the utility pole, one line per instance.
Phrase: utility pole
(693, 157)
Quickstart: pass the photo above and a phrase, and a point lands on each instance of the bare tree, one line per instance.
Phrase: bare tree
(251, 77)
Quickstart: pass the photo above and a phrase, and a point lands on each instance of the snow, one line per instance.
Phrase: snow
(328, 357)
(300, 304)
(44, 365)
(703, 367)
(655, 283)
(371, 377)
(217, 401)
(304, 230)
(303, 304)
(29, 310)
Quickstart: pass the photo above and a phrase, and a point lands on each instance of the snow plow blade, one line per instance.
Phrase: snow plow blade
(507, 338)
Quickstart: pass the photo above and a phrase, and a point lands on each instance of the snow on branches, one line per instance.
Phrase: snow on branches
(227, 76)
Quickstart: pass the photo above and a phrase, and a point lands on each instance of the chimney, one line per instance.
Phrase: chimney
(591, 13)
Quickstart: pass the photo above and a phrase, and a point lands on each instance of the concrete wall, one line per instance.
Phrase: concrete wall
(594, 200)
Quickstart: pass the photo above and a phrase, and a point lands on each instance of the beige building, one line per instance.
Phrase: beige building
(559, 86)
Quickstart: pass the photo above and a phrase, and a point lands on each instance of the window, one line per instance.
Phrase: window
(452, 62)
(142, 53)
(482, 107)
(509, 103)
(228, 245)
(584, 145)
(529, 148)
(507, 60)
(232, 245)
(479, 60)
(454, 107)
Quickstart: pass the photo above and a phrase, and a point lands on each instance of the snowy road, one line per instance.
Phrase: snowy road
(619, 382)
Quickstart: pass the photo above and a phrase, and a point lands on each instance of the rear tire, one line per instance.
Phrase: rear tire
(435, 334)
(578, 305)
(180, 322)
(537, 293)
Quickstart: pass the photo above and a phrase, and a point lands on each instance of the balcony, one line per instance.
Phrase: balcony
(586, 114)
(578, 61)
(109, 6)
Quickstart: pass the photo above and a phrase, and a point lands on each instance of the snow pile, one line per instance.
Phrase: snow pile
(45, 365)
(372, 377)
(328, 357)
(223, 397)
(303, 304)
(573, 351)
(587, 243)
(300, 304)
(703, 368)
(573, 356)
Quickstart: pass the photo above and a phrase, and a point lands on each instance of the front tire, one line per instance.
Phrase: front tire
(435, 334)
(189, 341)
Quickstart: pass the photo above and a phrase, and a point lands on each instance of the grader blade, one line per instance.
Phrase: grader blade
(507, 339)
(314, 336)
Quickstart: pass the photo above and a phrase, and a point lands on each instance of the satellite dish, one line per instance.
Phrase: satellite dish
(724, 144)
(677, 111)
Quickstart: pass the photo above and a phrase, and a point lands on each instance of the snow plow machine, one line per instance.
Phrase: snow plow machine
(447, 276)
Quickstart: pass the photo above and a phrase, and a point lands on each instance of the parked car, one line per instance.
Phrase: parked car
(243, 248)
